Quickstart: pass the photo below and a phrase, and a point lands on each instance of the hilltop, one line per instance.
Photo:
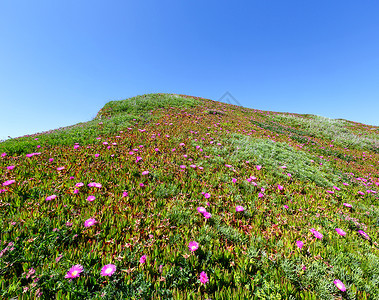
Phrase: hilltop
(181, 197)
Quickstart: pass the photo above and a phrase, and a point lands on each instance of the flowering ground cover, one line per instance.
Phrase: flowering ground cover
(177, 197)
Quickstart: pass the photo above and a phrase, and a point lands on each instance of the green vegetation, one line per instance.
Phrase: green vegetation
(178, 197)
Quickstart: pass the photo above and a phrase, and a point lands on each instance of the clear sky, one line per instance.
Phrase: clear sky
(62, 60)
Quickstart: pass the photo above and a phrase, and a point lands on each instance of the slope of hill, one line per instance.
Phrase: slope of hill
(177, 197)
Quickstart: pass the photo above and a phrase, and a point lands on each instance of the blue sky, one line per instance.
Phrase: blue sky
(61, 61)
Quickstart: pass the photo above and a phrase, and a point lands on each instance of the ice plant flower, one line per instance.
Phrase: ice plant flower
(260, 195)
(74, 271)
(234, 180)
(239, 208)
(145, 172)
(9, 182)
(340, 232)
(91, 198)
(339, 285)
(347, 205)
(259, 167)
(364, 234)
(108, 270)
(206, 195)
(317, 234)
(300, 244)
(207, 215)
(142, 260)
(51, 197)
(124, 194)
(60, 168)
(203, 277)
(89, 222)
(280, 187)
(3, 154)
(193, 246)
(79, 184)
(201, 210)
(10, 167)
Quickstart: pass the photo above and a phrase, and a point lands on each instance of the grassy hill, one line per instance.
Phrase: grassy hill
(177, 197)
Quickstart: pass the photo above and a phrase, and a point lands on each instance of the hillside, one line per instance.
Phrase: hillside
(176, 197)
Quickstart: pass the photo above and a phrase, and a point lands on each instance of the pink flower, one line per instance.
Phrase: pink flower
(76, 191)
(3, 154)
(340, 232)
(203, 277)
(347, 205)
(51, 159)
(345, 183)
(59, 258)
(330, 192)
(60, 168)
(76, 146)
(234, 180)
(201, 210)
(74, 271)
(124, 194)
(193, 246)
(300, 244)
(142, 260)
(289, 175)
(280, 187)
(285, 206)
(97, 155)
(239, 208)
(89, 222)
(206, 195)
(9, 182)
(91, 198)
(364, 234)
(95, 184)
(51, 197)
(361, 193)
(138, 158)
(79, 184)
(336, 188)
(207, 215)
(145, 172)
(10, 167)
(317, 234)
(260, 195)
(108, 270)
(183, 166)
(259, 167)
(339, 285)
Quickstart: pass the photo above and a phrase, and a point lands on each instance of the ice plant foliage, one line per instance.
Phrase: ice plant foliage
(171, 189)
